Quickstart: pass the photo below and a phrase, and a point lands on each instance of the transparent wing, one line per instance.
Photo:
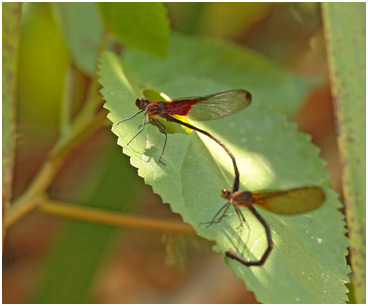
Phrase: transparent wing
(290, 202)
(212, 106)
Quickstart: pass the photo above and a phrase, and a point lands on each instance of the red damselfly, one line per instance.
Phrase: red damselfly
(208, 107)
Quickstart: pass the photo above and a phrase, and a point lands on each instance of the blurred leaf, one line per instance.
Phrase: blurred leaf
(82, 28)
(308, 263)
(142, 25)
(345, 31)
(185, 16)
(70, 269)
(43, 65)
(238, 17)
(11, 29)
(227, 64)
(287, 34)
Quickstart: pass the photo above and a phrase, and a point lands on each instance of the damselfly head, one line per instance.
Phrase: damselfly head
(225, 193)
(141, 103)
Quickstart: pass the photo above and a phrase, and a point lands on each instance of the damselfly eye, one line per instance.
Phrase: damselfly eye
(139, 103)
(225, 193)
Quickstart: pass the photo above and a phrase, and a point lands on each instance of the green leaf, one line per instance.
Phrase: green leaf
(186, 16)
(142, 25)
(238, 17)
(82, 28)
(44, 62)
(81, 247)
(11, 29)
(308, 263)
(229, 65)
(345, 31)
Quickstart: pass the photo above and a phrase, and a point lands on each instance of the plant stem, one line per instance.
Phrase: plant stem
(112, 218)
(44, 177)
(84, 124)
(65, 112)
(11, 14)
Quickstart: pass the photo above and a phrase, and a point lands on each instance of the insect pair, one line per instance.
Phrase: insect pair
(287, 202)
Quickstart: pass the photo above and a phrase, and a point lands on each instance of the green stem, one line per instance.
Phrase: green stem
(65, 113)
(84, 124)
(112, 218)
(44, 177)
(11, 16)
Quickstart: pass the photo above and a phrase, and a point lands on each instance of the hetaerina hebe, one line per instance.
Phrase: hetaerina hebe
(286, 202)
(198, 109)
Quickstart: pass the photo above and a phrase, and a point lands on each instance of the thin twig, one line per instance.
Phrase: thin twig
(84, 124)
(112, 218)
(65, 111)
(28, 201)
